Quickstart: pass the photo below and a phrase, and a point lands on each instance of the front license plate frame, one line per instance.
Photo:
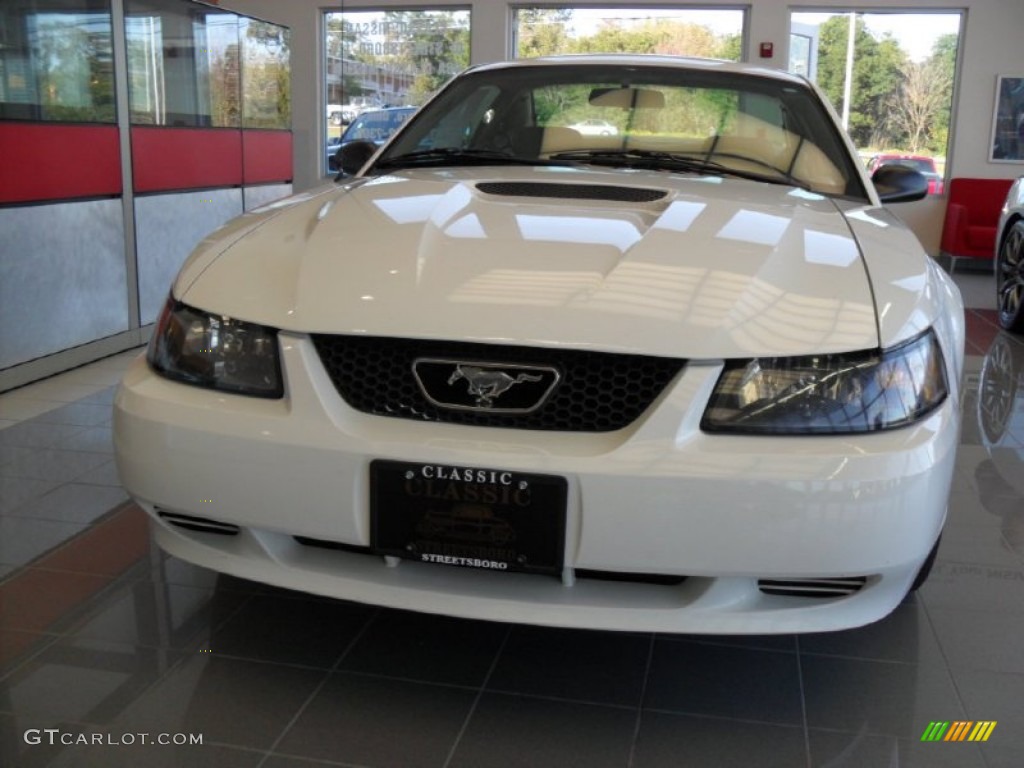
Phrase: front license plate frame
(474, 517)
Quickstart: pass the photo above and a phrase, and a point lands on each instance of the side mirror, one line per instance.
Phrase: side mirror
(899, 184)
(353, 156)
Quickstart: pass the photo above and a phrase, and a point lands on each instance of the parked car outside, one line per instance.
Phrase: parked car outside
(376, 125)
(336, 114)
(1010, 260)
(595, 127)
(343, 114)
(920, 163)
(700, 382)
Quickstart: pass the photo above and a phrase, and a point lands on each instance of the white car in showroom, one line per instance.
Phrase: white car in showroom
(692, 377)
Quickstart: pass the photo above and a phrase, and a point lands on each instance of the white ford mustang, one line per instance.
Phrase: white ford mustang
(688, 377)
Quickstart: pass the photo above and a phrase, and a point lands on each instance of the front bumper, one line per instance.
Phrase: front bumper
(657, 498)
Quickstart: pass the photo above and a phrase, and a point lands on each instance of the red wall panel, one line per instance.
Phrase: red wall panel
(185, 158)
(58, 161)
(267, 156)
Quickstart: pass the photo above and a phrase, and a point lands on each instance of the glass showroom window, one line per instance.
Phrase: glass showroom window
(379, 59)
(266, 77)
(897, 103)
(705, 33)
(183, 64)
(802, 47)
(56, 60)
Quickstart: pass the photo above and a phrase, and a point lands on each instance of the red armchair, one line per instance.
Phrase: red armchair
(972, 215)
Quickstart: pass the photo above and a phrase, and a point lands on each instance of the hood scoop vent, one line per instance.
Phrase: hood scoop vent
(572, 191)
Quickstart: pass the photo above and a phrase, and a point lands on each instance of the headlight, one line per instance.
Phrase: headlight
(830, 394)
(217, 352)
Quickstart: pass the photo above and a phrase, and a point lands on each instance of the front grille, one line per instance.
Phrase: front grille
(596, 391)
(819, 588)
(572, 191)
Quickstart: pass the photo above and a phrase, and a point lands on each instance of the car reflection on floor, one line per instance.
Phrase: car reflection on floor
(1000, 416)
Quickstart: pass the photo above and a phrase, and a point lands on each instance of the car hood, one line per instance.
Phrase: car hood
(711, 268)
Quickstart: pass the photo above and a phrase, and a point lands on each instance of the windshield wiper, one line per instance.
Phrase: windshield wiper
(637, 158)
(454, 156)
(673, 161)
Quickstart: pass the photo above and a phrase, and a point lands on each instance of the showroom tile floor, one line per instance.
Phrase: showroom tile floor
(105, 642)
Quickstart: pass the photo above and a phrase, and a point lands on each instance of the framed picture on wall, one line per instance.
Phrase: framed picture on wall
(1008, 121)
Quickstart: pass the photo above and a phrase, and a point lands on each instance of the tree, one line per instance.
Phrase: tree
(545, 31)
(943, 58)
(265, 76)
(338, 34)
(74, 71)
(682, 39)
(877, 68)
(395, 56)
(664, 36)
(730, 47)
(225, 89)
(944, 50)
(614, 37)
(915, 107)
(437, 49)
(542, 31)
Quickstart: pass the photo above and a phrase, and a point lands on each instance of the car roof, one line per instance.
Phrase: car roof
(645, 60)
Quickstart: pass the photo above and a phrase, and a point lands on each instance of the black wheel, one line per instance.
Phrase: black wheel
(926, 567)
(1010, 279)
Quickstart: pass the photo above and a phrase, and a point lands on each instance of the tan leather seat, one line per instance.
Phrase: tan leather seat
(560, 139)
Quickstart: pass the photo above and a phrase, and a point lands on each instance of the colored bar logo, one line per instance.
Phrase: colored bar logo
(959, 730)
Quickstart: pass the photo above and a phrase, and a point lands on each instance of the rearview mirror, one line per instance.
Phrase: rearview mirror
(627, 98)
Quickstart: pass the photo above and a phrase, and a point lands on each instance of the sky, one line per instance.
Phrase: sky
(916, 32)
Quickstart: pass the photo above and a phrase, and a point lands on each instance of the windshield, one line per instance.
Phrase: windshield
(662, 117)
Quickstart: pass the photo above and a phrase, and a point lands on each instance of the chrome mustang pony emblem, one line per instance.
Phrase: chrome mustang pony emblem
(471, 385)
(487, 385)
